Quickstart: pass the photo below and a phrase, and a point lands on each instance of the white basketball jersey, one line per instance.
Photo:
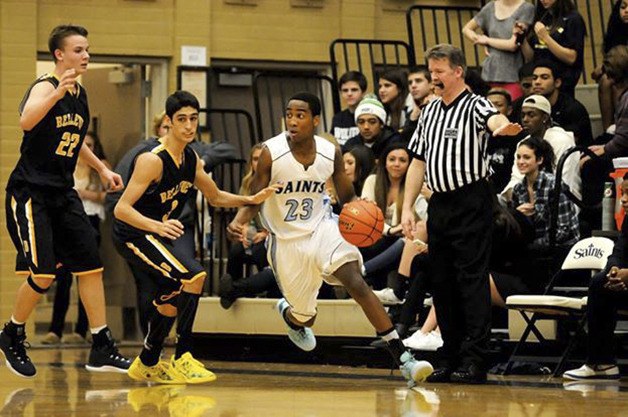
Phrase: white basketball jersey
(297, 209)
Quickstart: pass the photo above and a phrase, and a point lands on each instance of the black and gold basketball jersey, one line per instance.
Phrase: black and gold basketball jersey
(49, 151)
(165, 199)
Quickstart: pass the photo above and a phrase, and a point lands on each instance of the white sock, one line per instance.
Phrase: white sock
(16, 322)
(96, 330)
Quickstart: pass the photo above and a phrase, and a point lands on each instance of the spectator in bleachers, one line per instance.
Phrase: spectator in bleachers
(531, 196)
(537, 122)
(393, 93)
(370, 117)
(420, 85)
(616, 69)
(502, 150)
(352, 86)
(526, 80)
(250, 250)
(608, 293)
(386, 188)
(616, 34)
(497, 20)
(475, 83)
(557, 35)
(567, 112)
(595, 172)
(501, 99)
(359, 164)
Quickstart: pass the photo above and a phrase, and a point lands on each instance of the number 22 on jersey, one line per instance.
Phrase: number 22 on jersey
(69, 141)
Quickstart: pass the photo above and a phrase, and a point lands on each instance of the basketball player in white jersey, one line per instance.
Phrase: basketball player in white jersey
(305, 245)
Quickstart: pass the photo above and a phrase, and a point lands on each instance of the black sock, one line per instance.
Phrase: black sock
(158, 329)
(394, 345)
(102, 338)
(14, 330)
(289, 322)
(402, 287)
(188, 303)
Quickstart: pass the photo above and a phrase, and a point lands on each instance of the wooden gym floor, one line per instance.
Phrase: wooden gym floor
(62, 387)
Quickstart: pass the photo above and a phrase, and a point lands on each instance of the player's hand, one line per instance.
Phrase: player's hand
(509, 129)
(111, 180)
(171, 229)
(67, 82)
(407, 223)
(266, 193)
(235, 232)
(617, 279)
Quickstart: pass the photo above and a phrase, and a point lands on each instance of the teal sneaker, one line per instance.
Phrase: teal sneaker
(413, 370)
(304, 337)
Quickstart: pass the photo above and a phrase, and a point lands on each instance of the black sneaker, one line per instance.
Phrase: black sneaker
(225, 290)
(17, 360)
(107, 359)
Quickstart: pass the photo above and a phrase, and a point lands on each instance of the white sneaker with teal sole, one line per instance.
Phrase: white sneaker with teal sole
(413, 370)
(304, 337)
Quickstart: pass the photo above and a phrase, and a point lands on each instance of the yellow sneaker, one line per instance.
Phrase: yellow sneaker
(151, 399)
(192, 370)
(162, 373)
(190, 406)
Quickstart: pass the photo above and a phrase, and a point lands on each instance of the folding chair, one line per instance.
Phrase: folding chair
(587, 254)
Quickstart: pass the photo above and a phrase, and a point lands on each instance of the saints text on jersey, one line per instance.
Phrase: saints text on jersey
(302, 186)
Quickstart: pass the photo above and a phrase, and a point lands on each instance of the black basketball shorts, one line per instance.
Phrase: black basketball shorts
(159, 257)
(49, 227)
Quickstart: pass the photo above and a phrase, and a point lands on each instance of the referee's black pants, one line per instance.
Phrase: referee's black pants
(460, 232)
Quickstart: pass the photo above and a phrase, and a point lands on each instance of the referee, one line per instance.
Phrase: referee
(449, 148)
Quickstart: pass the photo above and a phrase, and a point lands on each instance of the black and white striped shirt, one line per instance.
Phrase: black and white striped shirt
(452, 141)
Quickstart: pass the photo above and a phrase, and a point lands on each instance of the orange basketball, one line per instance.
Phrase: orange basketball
(361, 223)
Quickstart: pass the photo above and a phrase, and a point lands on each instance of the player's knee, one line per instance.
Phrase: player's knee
(39, 285)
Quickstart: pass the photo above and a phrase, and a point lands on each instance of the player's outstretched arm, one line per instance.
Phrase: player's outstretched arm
(342, 183)
(260, 181)
(221, 198)
(148, 169)
(501, 126)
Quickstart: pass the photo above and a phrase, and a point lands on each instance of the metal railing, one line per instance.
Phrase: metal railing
(370, 57)
(272, 90)
(595, 14)
(428, 22)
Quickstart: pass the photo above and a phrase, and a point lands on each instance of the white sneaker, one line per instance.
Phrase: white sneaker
(422, 341)
(387, 297)
(413, 370)
(304, 337)
(593, 373)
